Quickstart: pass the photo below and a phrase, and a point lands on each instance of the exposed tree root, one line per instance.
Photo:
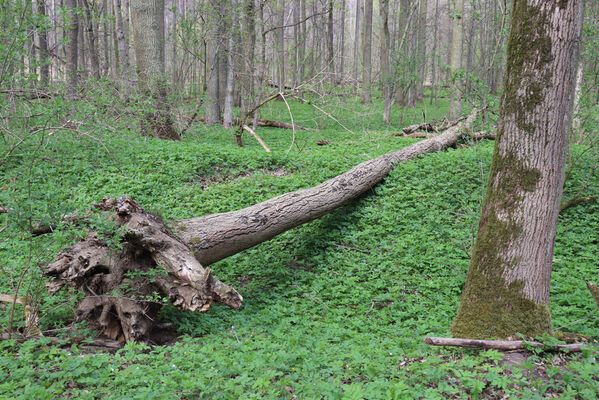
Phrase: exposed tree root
(121, 288)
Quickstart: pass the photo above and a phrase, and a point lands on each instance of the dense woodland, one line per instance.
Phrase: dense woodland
(295, 199)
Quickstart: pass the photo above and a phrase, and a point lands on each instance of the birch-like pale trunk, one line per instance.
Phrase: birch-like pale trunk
(507, 289)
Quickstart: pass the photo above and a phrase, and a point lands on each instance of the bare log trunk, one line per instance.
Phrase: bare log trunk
(505, 345)
(217, 236)
(116, 301)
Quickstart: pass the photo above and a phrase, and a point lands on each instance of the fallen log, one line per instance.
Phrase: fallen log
(576, 201)
(121, 283)
(505, 345)
(429, 127)
(266, 123)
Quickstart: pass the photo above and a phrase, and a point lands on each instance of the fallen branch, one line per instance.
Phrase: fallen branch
(429, 127)
(476, 136)
(594, 289)
(171, 261)
(576, 201)
(4, 210)
(31, 322)
(499, 344)
(251, 131)
(266, 123)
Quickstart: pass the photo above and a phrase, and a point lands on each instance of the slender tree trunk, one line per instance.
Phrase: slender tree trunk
(91, 37)
(330, 43)
(341, 71)
(230, 90)
(281, 46)
(148, 32)
(357, 45)
(421, 48)
(43, 50)
(249, 54)
(385, 68)
(456, 59)
(213, 67)
(123, 68)
(507, 290)
(72, 48)
(403, 44)
(366, 53)
(434, 56)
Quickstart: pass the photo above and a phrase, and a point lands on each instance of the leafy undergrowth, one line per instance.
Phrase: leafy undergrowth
(335, 309)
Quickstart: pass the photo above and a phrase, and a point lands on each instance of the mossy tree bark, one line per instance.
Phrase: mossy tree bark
(507, 289)
(148, 33)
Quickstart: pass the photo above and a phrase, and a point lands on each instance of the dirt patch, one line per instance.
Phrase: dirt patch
(221, 176)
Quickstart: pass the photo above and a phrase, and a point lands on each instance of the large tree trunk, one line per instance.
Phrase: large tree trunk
(190, 245)
(507, 290)
(148, 32)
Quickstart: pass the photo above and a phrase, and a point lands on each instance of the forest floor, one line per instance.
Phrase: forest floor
(334, 309)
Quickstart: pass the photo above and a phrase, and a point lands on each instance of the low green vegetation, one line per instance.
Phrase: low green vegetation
(335, 309)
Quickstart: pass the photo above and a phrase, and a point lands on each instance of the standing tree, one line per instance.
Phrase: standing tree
(148, 32)
(71, 47)
(507, 290)
(455, 62)
(366, 53)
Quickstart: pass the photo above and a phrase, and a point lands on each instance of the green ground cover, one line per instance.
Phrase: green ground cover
(335, 309)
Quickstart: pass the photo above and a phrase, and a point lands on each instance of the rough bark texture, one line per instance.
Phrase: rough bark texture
(148, 32)
(72, 35)
(118, 285)
(505, 345)
(366, 53)
(456, 57)
(213, 49)
(120, 36)
(385, 67)
(43, 44)
(217, 236)
(507, 290)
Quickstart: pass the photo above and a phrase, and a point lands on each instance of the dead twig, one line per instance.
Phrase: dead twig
(248, 129)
